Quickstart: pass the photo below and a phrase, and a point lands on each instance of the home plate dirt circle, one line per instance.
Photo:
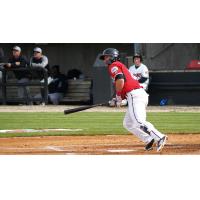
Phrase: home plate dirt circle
(97, 145)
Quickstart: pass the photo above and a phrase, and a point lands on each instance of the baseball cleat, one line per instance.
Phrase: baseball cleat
(161, 143)
(149, 145)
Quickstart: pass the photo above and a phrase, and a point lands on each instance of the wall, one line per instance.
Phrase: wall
(170, 55)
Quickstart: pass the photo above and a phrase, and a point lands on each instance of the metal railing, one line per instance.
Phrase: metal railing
(4, 84)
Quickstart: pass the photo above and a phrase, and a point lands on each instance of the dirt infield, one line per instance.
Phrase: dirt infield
(61, 108)
(178, 144)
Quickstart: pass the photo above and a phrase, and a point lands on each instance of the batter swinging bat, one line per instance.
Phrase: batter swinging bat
(74, 110)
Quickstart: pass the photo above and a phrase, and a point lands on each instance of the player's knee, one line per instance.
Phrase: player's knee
(53, 99)
(149, 125)
(128, 125)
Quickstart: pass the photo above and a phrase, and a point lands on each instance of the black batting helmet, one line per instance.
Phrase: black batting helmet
(138, 56)
(113, 53)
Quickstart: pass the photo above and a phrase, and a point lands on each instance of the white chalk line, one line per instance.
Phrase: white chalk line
(66, 148)
(121, 150)
(70, 145)
(39, 130)
(55, 148)
(62, 149)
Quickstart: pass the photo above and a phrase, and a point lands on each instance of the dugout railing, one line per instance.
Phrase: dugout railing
(6, 83)
(179, 87)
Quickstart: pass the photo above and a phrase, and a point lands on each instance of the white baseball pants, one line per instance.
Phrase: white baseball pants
(135, 118)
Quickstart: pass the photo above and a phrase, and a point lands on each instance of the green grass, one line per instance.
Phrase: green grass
(95, 123)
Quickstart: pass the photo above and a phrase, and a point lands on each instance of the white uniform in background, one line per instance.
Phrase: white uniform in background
(140, 72)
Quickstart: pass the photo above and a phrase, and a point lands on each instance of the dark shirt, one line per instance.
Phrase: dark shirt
(23, 64)
(37, 61)
(58, 84)
(41, 62)
(74, 73)
(1, 55)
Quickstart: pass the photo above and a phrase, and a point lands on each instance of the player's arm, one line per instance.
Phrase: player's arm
(119, 82)
(142, 79)
(118, 77)
(145, 75)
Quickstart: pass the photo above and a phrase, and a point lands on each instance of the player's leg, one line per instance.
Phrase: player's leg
(135, 123)
(129, 124)
(24, 91)
(138, 112)
(20, 89)
(55, 98)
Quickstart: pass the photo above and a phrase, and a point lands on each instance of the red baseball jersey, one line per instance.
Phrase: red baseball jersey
(129, 82)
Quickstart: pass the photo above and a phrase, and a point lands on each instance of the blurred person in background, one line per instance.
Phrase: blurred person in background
(1, 61)
(38, 60)
(140, 71)
(16, 61)
(1, 55)
(58, 86)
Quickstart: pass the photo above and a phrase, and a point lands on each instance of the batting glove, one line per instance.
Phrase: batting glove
(112, 102)
(118, 101)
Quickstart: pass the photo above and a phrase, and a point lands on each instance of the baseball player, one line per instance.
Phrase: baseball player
(127, 87)
(140, 71)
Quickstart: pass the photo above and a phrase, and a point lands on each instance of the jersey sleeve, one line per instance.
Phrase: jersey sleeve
(145, 72)
(114, 71)
(131, 70)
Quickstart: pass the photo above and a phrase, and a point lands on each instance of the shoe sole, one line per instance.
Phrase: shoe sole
(163, 144)
(149, 149)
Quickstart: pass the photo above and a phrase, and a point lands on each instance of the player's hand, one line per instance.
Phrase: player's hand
(17, 63)
(112, 102)
(8, 64)
(118, 101)
(124, 102)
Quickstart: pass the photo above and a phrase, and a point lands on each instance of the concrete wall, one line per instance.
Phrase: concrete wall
(69, 56)
(170, 56)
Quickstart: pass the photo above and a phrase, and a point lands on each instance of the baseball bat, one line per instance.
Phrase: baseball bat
(74, 110)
